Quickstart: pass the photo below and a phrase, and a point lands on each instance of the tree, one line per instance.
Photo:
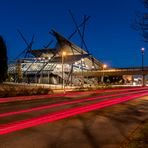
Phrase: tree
(19, 71)
(145, 2)
(140, 23)
(3, 60)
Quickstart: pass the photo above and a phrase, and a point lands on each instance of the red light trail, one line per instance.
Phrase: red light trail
(25, 98)
(67, 103)
(6, 128)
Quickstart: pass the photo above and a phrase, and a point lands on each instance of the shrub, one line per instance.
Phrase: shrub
(15, 90)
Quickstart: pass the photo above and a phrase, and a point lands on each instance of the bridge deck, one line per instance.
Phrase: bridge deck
(116, 71)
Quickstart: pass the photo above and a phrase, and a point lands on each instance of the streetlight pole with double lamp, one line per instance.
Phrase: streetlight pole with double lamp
(143, 76)
(63, 81)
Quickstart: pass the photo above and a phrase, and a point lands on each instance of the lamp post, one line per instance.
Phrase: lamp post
(63, 81)
(143, 77)
(104, 66)
(82, 62)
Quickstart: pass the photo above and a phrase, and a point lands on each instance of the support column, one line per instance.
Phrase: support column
(102, 79)
(132, 79)
(143, 80)
(48, 78)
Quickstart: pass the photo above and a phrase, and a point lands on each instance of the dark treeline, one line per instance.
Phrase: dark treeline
(3, 60)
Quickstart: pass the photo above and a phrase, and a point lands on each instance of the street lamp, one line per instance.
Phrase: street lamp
(142, 51)
(63, 81)
(82, 65)
(104, 66)
(143, 77)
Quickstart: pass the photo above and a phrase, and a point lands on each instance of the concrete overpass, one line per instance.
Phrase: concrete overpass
(115, 72)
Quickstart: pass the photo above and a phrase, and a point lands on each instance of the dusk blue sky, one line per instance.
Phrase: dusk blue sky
(108, 34)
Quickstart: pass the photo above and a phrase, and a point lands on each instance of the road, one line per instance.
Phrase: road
(21, 113)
